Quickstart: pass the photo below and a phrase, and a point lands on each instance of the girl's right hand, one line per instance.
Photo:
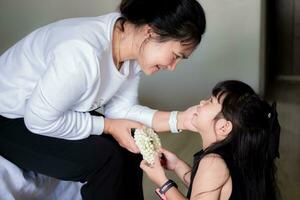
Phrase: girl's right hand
(120, 129)
(171, 159)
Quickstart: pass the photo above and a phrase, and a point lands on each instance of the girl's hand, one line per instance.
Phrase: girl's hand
(120, 129)
(156, 172)
(170, 159)
(185, 119)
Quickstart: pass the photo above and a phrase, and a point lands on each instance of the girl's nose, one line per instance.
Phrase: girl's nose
(198, 108)
(202, 102)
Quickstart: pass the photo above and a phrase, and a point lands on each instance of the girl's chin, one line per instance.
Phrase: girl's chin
(194, 121)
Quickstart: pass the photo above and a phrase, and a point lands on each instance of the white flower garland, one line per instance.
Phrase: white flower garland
(148, 142)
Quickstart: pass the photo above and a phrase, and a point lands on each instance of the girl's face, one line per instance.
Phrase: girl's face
(204, 118)
(155, 56)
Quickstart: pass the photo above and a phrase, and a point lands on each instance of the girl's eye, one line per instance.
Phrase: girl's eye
(210, 99)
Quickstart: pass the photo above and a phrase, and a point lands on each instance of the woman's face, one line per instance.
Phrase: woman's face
(155, 56)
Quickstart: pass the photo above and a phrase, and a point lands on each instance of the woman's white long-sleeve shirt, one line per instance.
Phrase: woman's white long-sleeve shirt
(59, 72)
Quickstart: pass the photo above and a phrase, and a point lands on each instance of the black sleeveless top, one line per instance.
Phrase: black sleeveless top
(237, 184)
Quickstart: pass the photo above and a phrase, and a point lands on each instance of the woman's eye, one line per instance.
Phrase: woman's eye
(176, 56)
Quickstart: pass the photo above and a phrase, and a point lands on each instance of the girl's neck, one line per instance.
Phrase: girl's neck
(205, 144)
(207, 139)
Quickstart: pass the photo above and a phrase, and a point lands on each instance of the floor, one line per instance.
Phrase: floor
(287, 96)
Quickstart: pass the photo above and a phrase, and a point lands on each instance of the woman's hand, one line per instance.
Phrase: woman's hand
(170, 159)
(156, 172)
(120, 129)
(185, 119)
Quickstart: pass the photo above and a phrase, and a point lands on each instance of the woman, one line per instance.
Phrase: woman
(240, 136)
(53, 80)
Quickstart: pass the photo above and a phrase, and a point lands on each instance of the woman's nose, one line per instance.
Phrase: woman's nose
(172, 65)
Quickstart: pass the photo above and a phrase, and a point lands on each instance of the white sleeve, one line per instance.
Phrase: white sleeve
(62, 85)
(124, 104)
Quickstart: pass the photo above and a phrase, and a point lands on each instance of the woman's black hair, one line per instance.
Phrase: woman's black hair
(253, 142)
(182, 20)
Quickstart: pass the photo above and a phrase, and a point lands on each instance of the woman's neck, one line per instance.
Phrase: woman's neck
(124, 45)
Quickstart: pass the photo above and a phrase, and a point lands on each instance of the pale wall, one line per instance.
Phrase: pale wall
(230, 50)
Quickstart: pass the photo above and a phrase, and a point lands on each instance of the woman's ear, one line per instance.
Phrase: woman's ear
(148, 31)
(223, 127)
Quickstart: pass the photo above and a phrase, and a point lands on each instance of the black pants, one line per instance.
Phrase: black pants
(110, 172)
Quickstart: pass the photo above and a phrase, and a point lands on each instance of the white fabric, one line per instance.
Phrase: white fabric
(16, 184)
(60, 71)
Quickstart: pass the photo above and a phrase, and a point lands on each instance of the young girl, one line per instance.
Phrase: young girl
(52, 80)
(240, 134)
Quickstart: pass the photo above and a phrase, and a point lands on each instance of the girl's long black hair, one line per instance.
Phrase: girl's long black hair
(254, 140)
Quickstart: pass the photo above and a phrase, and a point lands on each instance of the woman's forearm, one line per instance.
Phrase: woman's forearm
(161, 119)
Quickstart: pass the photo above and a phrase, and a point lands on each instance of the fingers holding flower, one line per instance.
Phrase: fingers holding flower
(155, 172)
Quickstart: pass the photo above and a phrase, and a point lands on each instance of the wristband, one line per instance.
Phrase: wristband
(161, 196)
(173, 122)
(164, 188)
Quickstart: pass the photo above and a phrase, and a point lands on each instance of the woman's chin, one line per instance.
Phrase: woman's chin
(148, 73)
(154, 72)
(151, 71)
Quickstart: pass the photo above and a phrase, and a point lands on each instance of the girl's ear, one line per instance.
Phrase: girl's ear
(223, 127)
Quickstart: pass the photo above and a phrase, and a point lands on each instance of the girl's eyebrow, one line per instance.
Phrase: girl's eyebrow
(213, 98)
(216, 99)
